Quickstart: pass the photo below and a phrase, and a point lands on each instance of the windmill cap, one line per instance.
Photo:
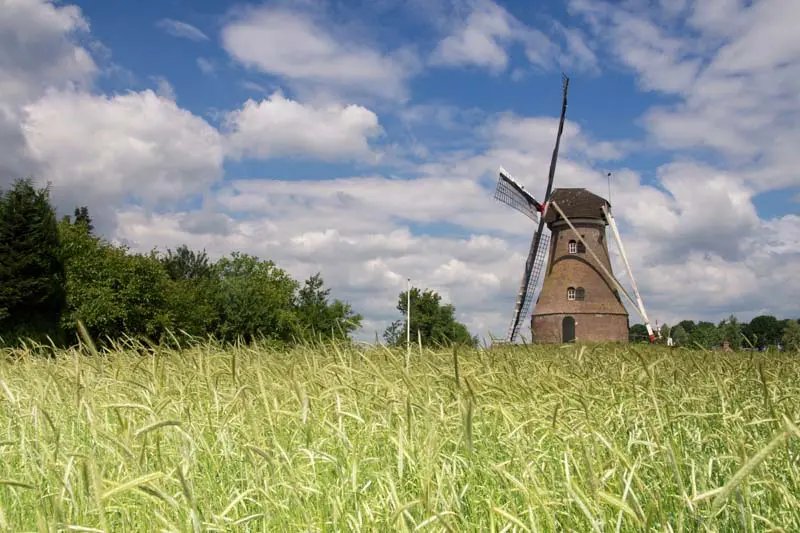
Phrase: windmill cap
(576, 203)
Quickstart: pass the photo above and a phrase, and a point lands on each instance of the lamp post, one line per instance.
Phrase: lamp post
(408, 321)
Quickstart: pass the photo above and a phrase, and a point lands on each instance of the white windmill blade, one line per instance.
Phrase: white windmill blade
(640, 303)
(510, 192)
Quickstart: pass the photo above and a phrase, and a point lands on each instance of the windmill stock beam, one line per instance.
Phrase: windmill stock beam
(613, 224)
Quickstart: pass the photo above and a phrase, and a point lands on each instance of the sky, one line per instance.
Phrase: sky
(362, 139)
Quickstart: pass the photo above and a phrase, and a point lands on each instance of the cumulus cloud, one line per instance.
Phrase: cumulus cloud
(732, 71)
(359, 238)
(105, 150)
(279, 126)
(300, 49)
(37, 51)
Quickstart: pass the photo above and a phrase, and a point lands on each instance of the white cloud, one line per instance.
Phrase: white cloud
(103, 150)
(579, 55)
(278, 126)
(376, 203)
(480, 41)
(737, 77)
(36, 51)
(294, 45)
(538, 134)
(164, 88)
(484, 37)
(177, 28)
(206, 66)
(704, 285)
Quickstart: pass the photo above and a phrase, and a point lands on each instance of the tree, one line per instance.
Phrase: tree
(32, 291)
(255, 298)
(638, 333)
(82, 218)
(763, 330)
(186, 264)
(318, 316)
(688, 326)
(731, 331)
(192, 289)
(791, 335)
(705, 335)
(113, 292)
(680, 336)
(664, 333)
(435, 322)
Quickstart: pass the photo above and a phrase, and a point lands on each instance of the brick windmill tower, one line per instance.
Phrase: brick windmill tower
(580, 298)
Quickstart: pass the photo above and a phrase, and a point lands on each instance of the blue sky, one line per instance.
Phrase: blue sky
(145, 40)
(608, 104)
(362, 139)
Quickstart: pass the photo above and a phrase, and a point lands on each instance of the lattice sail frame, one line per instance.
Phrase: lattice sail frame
(514, 195)
(525, 299)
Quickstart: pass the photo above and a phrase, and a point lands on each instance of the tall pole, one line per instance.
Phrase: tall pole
(408, 321)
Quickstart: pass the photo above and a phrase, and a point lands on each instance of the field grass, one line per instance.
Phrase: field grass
(331, 438)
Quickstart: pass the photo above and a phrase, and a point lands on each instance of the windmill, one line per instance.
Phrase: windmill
(569, 273)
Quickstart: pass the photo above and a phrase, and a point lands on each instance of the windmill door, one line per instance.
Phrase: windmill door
(568, 329)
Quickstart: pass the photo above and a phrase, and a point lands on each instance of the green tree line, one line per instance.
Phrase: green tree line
(55, 273)
(761, 332)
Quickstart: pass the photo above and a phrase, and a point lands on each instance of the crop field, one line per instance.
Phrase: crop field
(340, 438)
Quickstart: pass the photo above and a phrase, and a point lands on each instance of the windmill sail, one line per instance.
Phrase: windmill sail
(529, 281)
(514, 195)
(535, 262)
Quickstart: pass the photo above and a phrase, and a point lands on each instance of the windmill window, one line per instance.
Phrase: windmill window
(571, 294)
(580, 294)
(581, 248)
(573, 247)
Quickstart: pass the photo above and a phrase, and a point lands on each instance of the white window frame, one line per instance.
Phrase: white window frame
(573, 247)
(571, 294)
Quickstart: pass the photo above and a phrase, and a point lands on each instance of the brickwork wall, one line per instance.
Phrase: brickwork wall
(601, 316)
(588, 328)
